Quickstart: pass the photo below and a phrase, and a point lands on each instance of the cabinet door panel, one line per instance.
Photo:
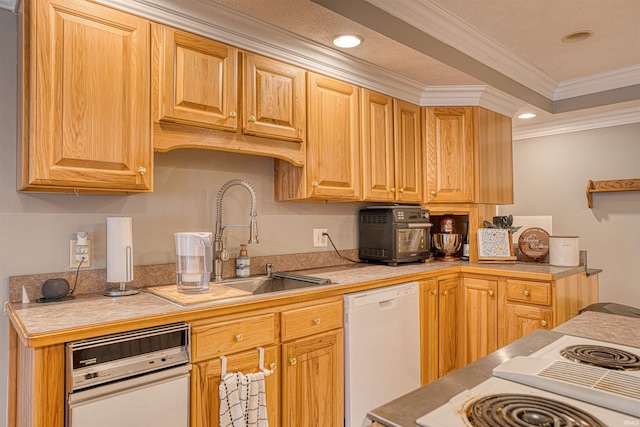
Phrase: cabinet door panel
(333, 142)
(480, 309)
(429, 354)
(522, 320)
(378, 158)
(274, 98)
(205, 381)
(90, 100)
(408, 152)
(197, 81)
(450, 148)
(448, 311)
(313, 381)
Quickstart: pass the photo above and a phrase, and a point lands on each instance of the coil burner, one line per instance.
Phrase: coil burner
(604, 357)
(498, 410)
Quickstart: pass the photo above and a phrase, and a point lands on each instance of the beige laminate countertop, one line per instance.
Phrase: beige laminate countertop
(87, 315)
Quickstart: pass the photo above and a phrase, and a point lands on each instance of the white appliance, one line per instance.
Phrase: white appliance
(610, 395)
(130, 379)
(382, 348)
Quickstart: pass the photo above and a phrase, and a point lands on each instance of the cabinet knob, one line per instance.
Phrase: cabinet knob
(393, 189)
(434, 292)
(543, 322)
(316, 320)
(239, 337)
(233, 114)
(252, 118)
(315, 184)
(142, 170)
(525, 293)
(402, 190)
(272, 366)
(490, 292)
(433, 192)
(293, 361)
(445, 293)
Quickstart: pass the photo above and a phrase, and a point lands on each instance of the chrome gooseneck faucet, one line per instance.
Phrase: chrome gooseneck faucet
(218, 243)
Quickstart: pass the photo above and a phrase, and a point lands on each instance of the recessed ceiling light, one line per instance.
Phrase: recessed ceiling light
(526, 116)
(347, 40)
(577, 36)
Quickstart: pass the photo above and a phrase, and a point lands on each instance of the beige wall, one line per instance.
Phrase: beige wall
(550, 178)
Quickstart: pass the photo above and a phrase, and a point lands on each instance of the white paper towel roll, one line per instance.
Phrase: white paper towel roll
(564, 251)
(119, 250)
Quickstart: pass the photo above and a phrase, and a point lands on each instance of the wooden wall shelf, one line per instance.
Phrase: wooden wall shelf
(611, 185)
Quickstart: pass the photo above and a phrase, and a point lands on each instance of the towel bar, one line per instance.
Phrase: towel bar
(267, 372)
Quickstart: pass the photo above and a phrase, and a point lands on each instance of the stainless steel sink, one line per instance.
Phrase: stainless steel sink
(279, 282)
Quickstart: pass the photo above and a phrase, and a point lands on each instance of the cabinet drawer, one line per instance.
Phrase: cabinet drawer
(225, 338)
(531, 292)
(311, 320)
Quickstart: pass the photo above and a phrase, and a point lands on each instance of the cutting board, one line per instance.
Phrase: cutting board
(216, 292)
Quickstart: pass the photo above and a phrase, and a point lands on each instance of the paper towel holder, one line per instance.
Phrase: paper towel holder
(120, 256)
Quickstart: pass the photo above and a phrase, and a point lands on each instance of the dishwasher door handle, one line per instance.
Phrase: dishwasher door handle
(388, 304)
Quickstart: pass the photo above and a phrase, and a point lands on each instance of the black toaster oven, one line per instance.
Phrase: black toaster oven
(394, 234)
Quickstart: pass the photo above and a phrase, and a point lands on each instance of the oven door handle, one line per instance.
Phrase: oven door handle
(415, 225)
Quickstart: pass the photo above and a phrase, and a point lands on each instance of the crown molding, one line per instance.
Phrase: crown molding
(614, 79)
(446, 27)
(592, 121)
(480, 95)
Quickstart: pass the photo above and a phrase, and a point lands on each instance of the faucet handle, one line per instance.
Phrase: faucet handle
(224, 255)
(269, 269)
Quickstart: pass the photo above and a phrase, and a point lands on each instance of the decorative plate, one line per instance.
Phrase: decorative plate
(534, 244)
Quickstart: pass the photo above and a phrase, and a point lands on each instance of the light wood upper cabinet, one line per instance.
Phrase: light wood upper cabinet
(197, 80)
(332, 167)
(391, 149)
(469, 156)
(85, 99)
(274, 96)
(439, 327)
(408, 148)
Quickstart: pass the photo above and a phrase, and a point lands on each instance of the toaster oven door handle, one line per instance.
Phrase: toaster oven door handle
(415, 225)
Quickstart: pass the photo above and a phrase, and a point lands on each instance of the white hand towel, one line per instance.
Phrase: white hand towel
(243, 400)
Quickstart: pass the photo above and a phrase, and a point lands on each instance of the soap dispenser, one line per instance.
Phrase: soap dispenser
(243, 263)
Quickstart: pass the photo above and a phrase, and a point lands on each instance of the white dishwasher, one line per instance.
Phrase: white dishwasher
(382, 348)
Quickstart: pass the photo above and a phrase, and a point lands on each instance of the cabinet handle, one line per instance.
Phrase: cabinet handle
(490, 292)
(293, 361)
(315, 184)
(316, 320)
(402, 190)
(252, 118)
(142, 170)
(239, 337)
(272, 366)
(434, 292)
(233, 114)
(543, 322)
(433, 192)
(525, 293)
(445, 293)
(393, 189)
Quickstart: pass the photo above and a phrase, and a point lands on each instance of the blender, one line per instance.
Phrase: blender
(194, 261)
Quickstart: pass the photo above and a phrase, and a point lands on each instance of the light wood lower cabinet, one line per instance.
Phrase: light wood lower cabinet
(303, 344)
(313, 381)
(439, 323)
(206, 378)
(480, 327)
(521, 320)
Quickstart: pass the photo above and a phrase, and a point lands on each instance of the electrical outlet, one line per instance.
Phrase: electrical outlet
(79, 252)
(319, 239)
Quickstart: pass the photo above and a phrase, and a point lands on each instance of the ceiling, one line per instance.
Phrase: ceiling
(507, 55)
(514, 46)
